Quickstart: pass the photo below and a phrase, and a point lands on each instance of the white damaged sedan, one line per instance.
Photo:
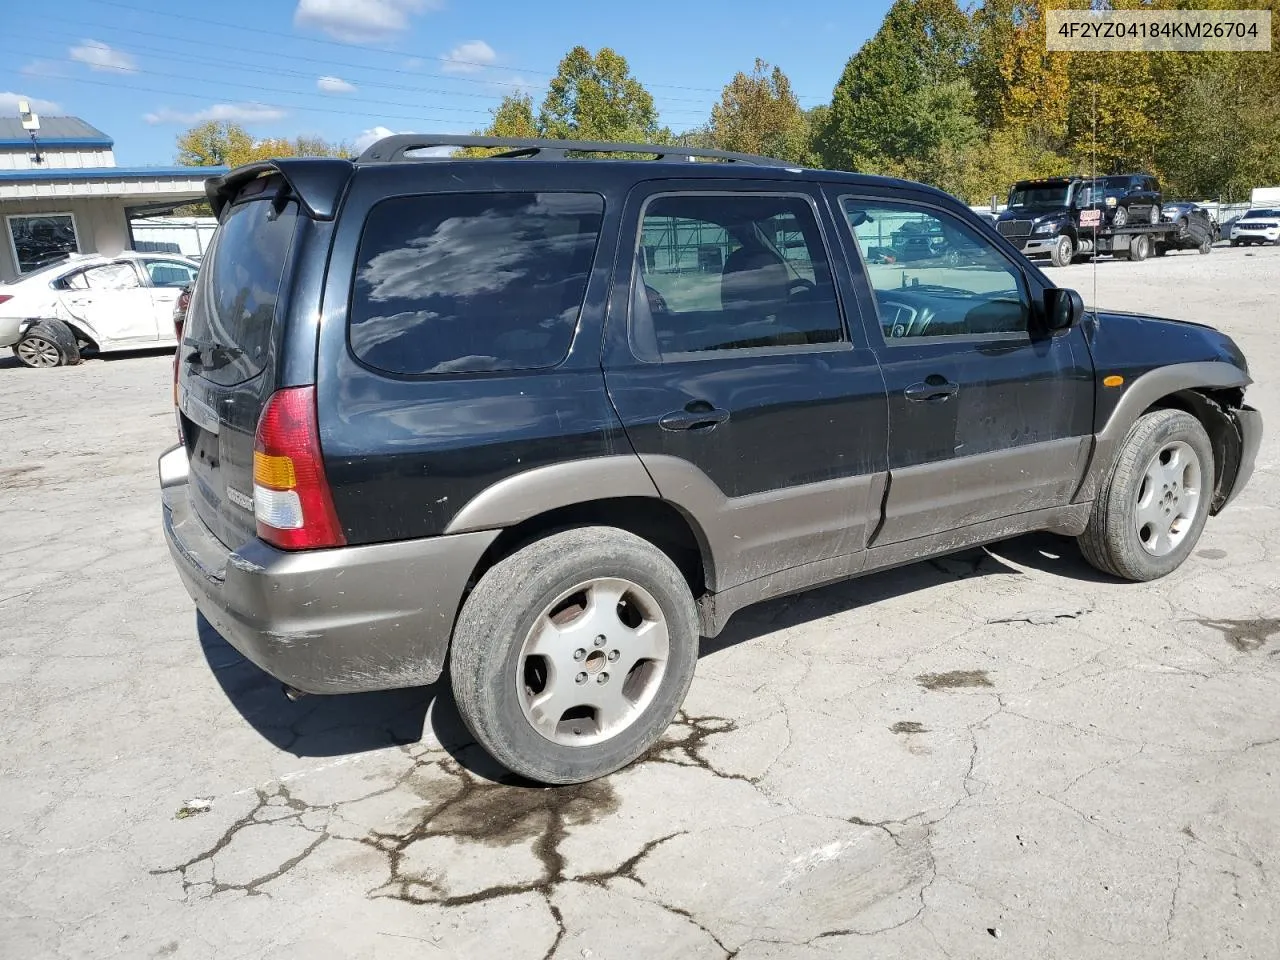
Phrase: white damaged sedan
(93, 302)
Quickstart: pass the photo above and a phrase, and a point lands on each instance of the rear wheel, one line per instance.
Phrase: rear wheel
(1152, 507)
(1140, 248)
(571, 656)
(1206, 246)
(1062, 252)
(47, 343)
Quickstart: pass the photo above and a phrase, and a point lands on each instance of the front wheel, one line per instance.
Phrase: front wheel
(47, 343)
(1062, 252)
(571, 656)
(1152, 507)
(1206, 246)
(1154, 216)
(1121, 217)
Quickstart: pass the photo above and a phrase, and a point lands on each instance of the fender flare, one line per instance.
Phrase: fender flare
(1138, 397)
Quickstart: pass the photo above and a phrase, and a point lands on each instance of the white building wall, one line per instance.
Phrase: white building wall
(190, 234)
(58, 158)
(101, 226)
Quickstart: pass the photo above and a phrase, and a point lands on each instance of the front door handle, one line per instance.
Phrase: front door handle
(698, 415)
(934, 388)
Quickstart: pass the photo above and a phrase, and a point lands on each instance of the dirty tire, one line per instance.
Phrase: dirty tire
(1062, 252)
(47, 343)
(1110, 542)
(503, 609)
(1206, 247)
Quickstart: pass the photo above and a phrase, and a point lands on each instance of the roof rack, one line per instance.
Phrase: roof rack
(395, 148)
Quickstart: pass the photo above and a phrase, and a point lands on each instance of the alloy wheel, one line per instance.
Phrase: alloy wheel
(1168, 498)
(592, 662)
(38, 352)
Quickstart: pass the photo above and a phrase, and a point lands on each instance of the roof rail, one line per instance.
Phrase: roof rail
(395, 147)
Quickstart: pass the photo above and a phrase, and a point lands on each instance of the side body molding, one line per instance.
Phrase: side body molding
(1142, 393)
(742, 538)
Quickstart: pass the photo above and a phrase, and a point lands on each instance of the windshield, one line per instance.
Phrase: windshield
(1046, 196)
(1258, 214)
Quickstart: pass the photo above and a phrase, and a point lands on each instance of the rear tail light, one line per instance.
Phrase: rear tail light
(5, 297)
(291, 497)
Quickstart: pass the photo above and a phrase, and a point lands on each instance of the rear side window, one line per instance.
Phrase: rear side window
(233, 306)
(471, 282)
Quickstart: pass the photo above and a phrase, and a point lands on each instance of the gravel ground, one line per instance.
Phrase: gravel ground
(876, 769)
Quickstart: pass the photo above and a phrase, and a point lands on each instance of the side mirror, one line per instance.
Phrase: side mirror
(1063, 309)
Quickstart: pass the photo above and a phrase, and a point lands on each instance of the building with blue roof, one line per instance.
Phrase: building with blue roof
(63, 193)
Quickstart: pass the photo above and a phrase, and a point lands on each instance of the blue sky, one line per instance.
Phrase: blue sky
(145, 70)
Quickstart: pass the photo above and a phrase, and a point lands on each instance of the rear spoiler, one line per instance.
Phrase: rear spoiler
(318, 183)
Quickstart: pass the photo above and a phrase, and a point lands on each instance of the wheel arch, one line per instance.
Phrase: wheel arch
(1204, 389)
(653, 519)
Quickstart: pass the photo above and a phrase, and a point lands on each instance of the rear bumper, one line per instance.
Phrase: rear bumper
(1249, 421)
(372, 617)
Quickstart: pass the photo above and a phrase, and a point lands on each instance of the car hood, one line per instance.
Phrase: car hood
(1133, 343)
(1035, 214)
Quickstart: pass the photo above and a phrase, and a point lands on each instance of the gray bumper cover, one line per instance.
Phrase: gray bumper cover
(371, 617)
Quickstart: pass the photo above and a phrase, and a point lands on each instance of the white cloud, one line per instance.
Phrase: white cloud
(334, 85)
(231, 112)
(367, 138)
(469, 57)
(9, 104)
(414, 63)
(98, 56)
(43, 68)
(360, 21)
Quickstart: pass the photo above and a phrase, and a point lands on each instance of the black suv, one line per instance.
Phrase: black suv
(548, 417)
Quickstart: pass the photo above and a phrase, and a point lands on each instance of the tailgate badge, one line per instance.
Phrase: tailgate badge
(241, 500)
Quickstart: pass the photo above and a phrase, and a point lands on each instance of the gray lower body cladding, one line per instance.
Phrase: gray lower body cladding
(350, 619)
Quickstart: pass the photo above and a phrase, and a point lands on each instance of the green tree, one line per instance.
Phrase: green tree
(595, 97)
(218, 143)
(513, 118)
(758, 113)
(215, 143)
(903, 103)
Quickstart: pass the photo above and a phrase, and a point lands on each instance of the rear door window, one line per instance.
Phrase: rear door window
(472, 282)
(233, 307)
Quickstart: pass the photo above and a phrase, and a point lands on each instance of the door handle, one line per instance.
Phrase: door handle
(934, 389)
(698, 415)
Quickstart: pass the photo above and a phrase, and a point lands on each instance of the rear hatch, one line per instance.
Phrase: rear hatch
(227, 361)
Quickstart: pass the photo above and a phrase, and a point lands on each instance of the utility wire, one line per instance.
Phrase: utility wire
(310, 78)
(241, 28)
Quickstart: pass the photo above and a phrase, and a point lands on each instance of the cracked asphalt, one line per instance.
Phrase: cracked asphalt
(1000, 754)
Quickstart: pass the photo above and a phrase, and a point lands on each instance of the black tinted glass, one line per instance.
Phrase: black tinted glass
(461, 283)
(731, 272)
(233, 305)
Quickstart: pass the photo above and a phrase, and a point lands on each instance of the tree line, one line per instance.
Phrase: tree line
(968, 100)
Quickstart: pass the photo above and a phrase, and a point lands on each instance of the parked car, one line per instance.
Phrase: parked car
(51, 315)
(1196, 229)
(1260, 225)
(550, 419)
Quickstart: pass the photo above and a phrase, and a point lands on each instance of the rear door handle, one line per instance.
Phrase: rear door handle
(934, 388)
(698, 415)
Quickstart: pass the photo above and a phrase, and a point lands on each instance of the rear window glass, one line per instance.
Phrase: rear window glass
(234, 303)
(470, 282)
